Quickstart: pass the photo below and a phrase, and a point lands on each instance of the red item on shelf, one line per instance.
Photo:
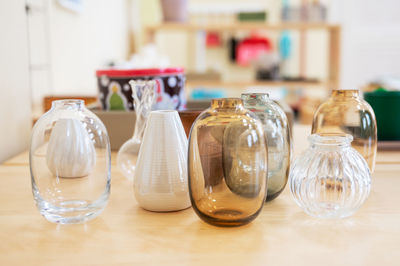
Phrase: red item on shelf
(213, 39)
(250, 48)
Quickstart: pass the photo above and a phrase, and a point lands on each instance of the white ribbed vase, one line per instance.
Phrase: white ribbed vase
(330, 179)
(160, 181)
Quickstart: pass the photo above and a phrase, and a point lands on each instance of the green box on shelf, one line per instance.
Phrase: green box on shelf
(252, 16)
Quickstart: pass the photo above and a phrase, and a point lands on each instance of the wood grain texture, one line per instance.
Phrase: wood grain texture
(125, 234)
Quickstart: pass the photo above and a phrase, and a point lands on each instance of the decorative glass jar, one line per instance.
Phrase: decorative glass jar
(276, 129)
(346, 113)
(227, 164)
(330, 179)
(70, 163)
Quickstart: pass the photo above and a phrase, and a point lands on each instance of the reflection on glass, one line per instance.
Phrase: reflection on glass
(276, 130)
(227, 164)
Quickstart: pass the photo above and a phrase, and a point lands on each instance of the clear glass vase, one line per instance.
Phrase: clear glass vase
(276, 129)
(143, 93)
(346, 113)
(330, 179)
(227, 164)
(70, 163)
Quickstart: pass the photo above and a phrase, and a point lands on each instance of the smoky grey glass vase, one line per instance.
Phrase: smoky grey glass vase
(277, 132)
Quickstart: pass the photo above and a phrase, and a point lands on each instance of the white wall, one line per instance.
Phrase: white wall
(15, 104)
(78, 44)
(370, 39)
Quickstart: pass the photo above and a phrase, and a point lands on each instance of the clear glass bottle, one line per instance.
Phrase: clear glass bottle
(330, 179)
(227, 164)
(346, 113)
(276, 129)
(143, 93)
(70, 163)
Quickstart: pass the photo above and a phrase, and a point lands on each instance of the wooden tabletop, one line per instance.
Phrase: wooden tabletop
(125, 234)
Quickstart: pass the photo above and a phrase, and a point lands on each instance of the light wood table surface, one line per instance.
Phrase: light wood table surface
(125, 234)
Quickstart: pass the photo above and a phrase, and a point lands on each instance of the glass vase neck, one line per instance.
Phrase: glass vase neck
(330, 140)
(227, 103)
(143, 94)
(346, 93)
(68, 104)
(255, 96)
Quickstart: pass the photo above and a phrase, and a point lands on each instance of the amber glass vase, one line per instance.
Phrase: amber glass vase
(345, 112)
(276, 129)
(227, 164)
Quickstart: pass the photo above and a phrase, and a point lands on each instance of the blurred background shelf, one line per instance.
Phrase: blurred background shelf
(241, 26)
(241, 84)
(198, 54)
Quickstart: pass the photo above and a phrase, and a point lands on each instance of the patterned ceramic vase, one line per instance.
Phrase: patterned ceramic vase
(116, 94)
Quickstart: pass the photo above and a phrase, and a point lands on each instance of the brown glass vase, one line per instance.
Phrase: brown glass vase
(346, 113)
(227, 164)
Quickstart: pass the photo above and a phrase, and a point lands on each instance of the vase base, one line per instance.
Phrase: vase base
(166, 210)
(71, 212)
(330, 211)
(227, 218)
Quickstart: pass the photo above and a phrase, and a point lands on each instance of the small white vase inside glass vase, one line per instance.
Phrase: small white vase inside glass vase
(143, 94)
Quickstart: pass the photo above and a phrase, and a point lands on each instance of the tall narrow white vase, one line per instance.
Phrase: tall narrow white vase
(161, 181)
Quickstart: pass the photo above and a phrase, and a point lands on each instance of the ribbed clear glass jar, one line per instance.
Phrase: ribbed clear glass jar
(345, 112)
(70, 163)
(330, 179)
(227, 164)
(277, 132)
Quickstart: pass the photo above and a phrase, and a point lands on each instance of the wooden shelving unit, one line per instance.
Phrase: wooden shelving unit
(334, 32)
(240, 26)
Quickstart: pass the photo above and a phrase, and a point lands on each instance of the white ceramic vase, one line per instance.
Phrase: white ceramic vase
(70, 152)
(161, 181)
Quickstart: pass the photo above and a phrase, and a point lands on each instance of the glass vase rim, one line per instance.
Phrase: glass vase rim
(163, 113)
(77, 103)
(256, 94)
(330, 139)
(224, 103)
(346, 91)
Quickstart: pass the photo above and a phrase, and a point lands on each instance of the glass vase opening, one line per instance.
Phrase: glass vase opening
(345, 93)
(330, 140)
(227, 103)
(68, 104)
